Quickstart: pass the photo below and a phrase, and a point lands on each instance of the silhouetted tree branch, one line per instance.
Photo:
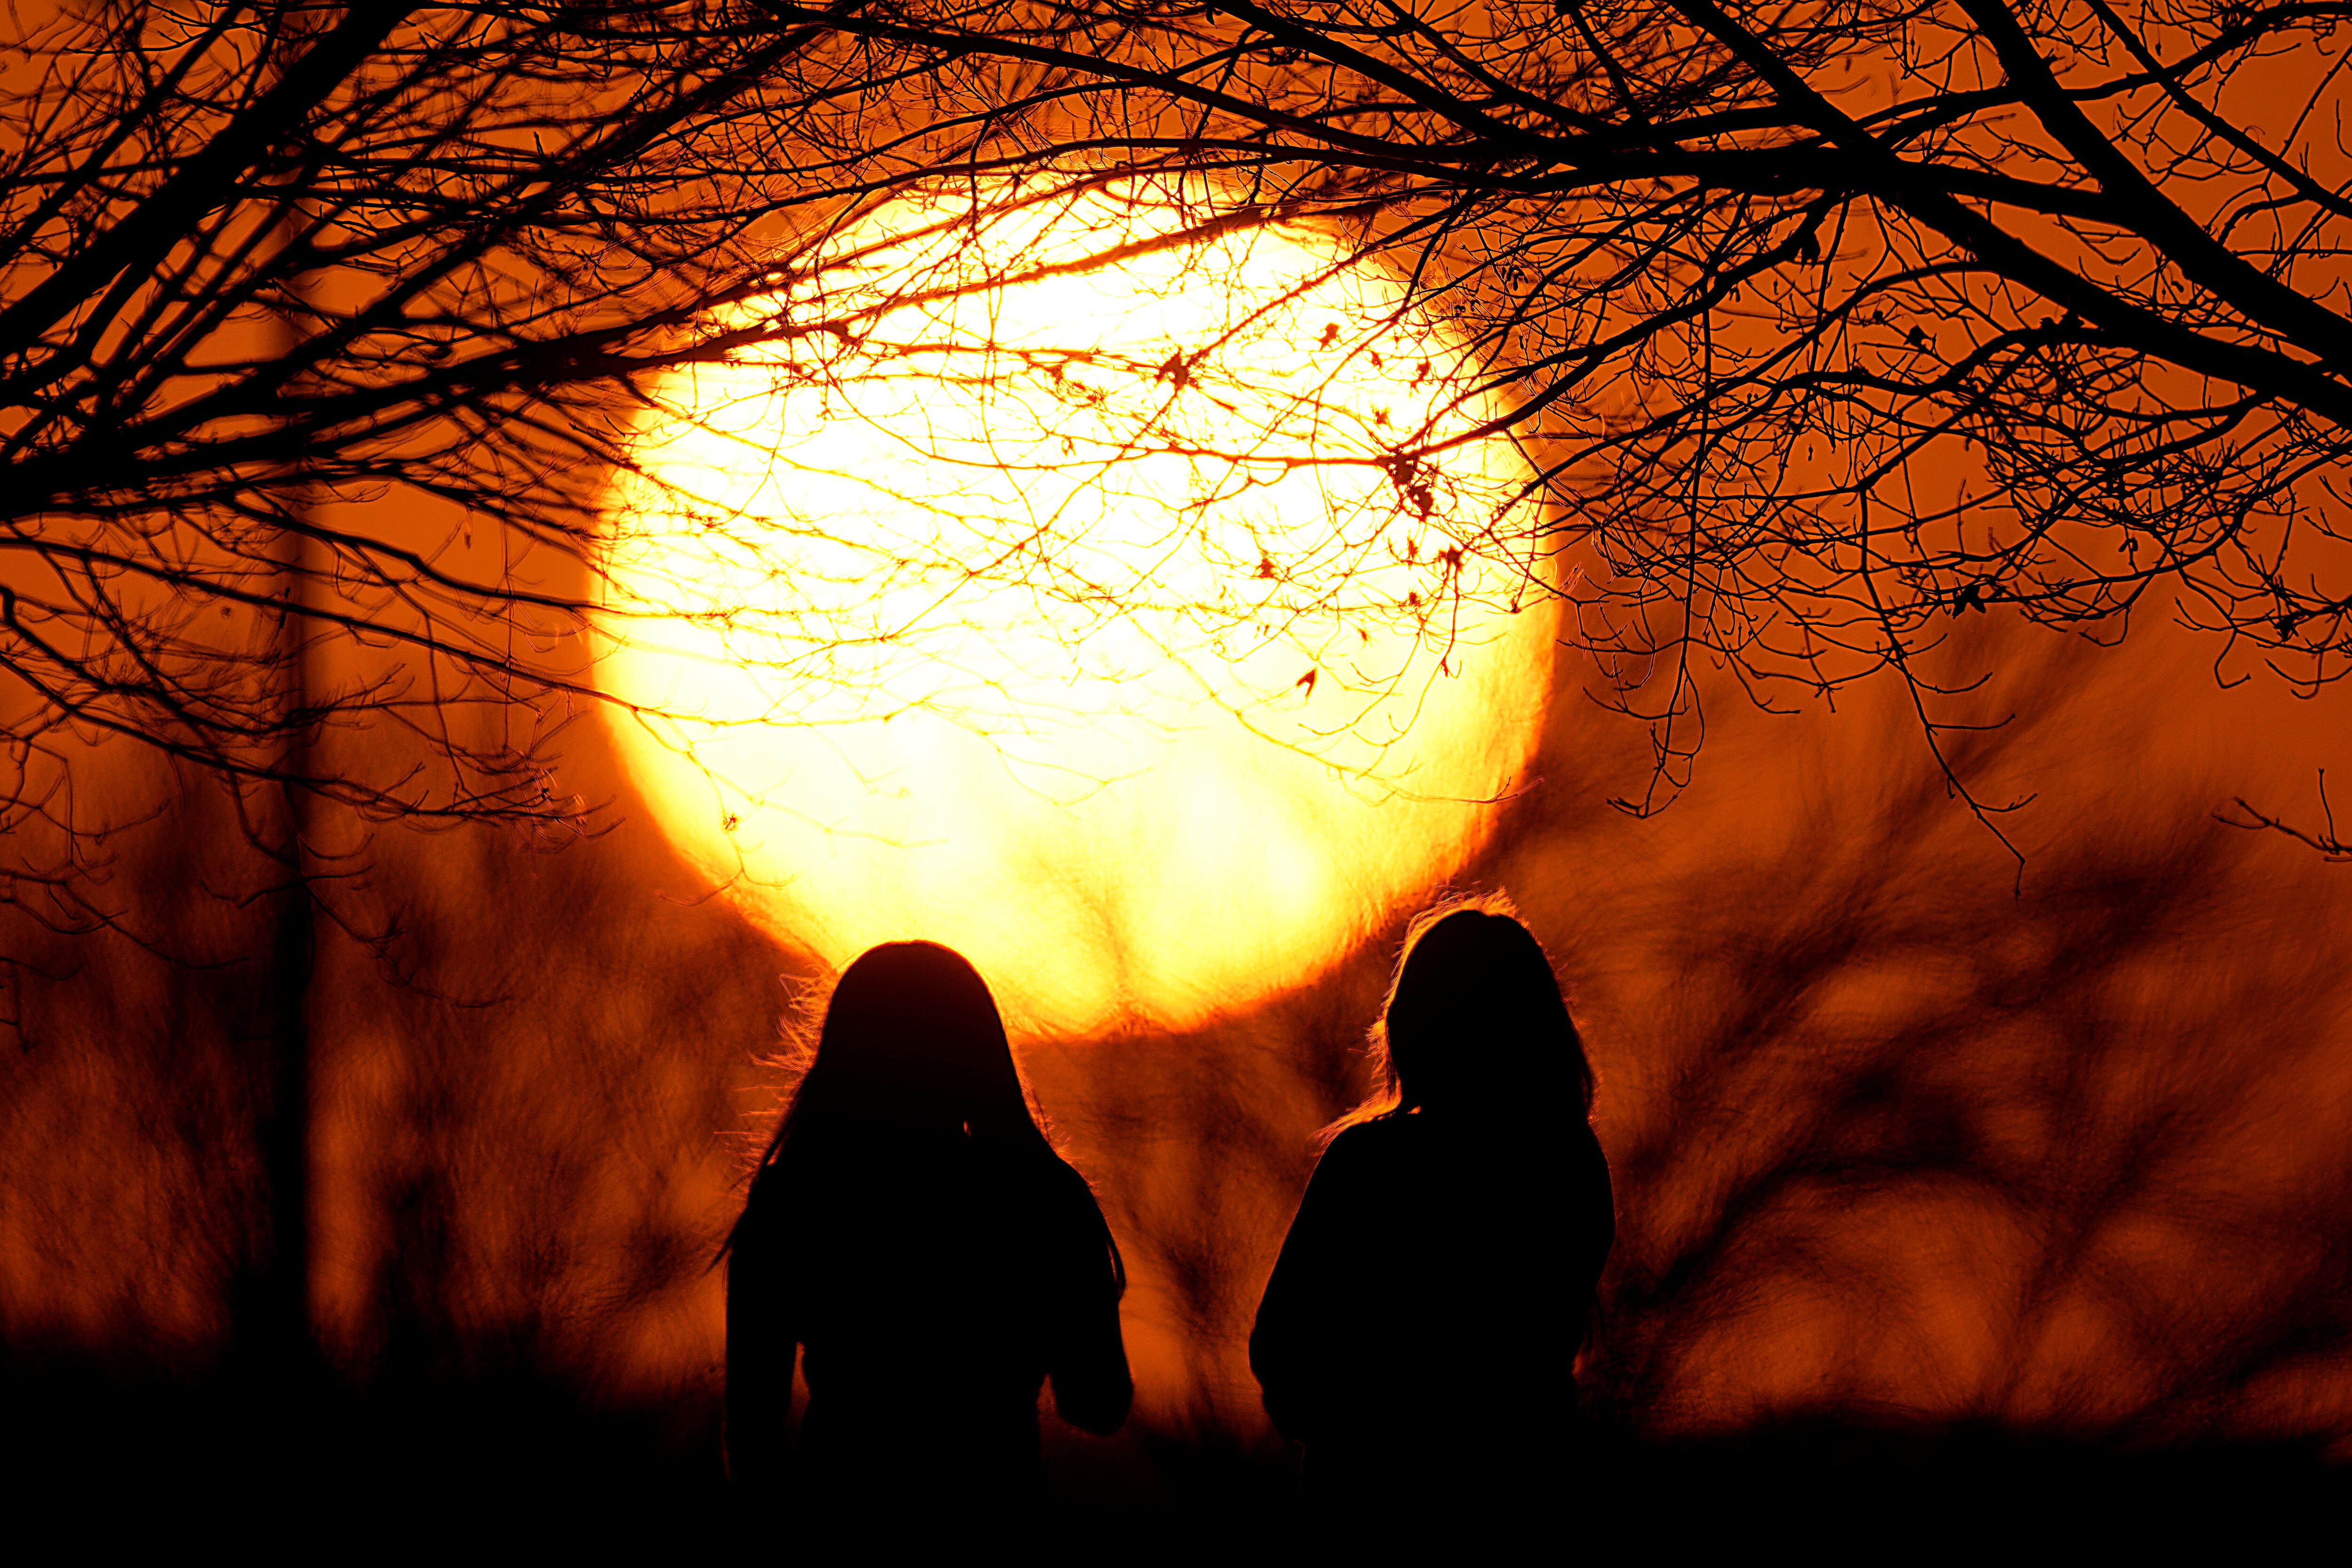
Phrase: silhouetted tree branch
(1828, 324)
(402, 263)
(1825, 324)
(2326, 840)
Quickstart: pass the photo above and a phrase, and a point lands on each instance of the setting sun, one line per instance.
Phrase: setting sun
(1118, 600)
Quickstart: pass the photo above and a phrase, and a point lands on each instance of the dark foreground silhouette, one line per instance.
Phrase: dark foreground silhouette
(1421, 1330)
(530, 1464)
(913, 1233)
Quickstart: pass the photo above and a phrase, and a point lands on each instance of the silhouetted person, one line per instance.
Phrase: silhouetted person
(912, 1231)
(1421, 1330)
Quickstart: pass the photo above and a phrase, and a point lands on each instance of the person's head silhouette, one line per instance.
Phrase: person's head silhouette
(912, 1039)
(1475, 1019)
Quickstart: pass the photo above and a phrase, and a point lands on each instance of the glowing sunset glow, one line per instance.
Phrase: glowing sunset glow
(1090, 623)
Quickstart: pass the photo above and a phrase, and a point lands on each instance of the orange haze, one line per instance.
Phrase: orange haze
(1888, 1140)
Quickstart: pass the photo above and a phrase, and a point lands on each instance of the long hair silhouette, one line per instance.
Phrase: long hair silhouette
(1473, 1015)
(911, 1233)
(911, 1036)
(1421, 1328)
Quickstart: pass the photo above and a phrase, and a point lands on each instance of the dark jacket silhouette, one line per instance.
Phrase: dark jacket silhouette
(913, 1234)
(1420, 1332)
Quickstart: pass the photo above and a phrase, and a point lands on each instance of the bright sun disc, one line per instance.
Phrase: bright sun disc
(1089, 622)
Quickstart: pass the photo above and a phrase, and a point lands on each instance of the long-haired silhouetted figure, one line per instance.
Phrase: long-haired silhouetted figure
(912, 1232)
(1421, 1330)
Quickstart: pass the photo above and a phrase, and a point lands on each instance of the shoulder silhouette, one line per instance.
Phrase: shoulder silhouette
(1420, 1332)
(912, 1235)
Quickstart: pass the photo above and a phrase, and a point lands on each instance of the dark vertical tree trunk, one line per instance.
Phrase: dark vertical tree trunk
(284, 1309)
(272, 1327)
(279, 1314)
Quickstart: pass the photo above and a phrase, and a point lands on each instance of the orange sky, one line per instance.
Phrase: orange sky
(1890, 1137)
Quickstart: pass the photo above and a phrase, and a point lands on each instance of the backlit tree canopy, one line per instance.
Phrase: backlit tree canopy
(1822, 324)
(1827, 323)
(261, 260)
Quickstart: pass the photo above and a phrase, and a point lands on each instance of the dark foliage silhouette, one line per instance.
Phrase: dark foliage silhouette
(911, 1231)
(1419, 1332)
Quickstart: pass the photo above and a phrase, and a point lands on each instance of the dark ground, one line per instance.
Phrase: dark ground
(521, 1465)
